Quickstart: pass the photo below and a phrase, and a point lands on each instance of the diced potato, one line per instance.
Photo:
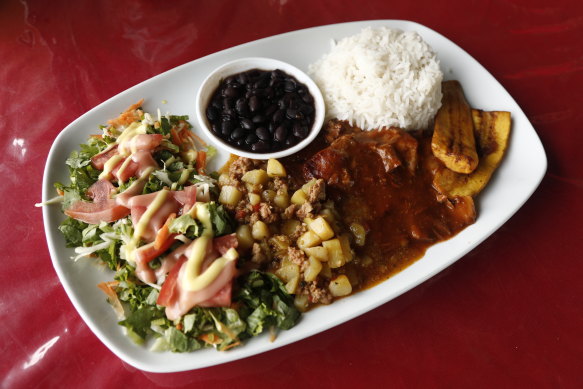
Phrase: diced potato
(299, 197)
(259, 230)
(301, 302)
(340, 286)
(230, 195)
(268, 195)
(318, 252)
(254, 198)
(255, 177)
(288, 271)
(306, 187)
(280, 244)
(244, 237)
(346, 250)
(328, 215)
(308, 239)
(321, 227)
(292, 285)
(313, 269)
(359, 233)
(281, 200)
(253, 188)
(289, 226)
(223, 179)
(307, 221)
(335, 254)
(326, 271)
(275, 168)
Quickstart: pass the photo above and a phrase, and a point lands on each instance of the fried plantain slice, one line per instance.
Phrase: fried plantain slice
(453, 133)
(492, 131)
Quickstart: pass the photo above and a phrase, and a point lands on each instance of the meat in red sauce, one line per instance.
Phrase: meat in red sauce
(382, 180)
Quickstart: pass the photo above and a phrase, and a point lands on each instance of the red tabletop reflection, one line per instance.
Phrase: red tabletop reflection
(508, 314)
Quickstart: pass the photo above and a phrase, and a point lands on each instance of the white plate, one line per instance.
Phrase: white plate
(517, 178)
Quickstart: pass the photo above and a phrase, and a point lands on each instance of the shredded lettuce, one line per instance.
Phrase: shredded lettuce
(266, 303)
(72, 231)
(222, 222)
(186, 225)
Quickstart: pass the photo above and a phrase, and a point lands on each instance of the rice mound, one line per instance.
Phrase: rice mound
(380, 78)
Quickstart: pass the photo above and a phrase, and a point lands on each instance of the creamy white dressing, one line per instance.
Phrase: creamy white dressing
(193, 278)
(108, 167)
(128, 135)
(122, 168)
(143, 223)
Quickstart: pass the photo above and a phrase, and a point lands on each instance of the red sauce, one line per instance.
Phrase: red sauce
(383, 180)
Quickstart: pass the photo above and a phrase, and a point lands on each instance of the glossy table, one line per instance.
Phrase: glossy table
(508, 314)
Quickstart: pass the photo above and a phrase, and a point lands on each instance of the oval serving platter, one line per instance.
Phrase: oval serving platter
(516, 179)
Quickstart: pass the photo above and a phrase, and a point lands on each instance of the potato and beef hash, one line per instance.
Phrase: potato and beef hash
(290, 228)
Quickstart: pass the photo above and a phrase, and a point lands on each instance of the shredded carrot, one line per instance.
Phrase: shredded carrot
(184, 136)
(237, 343)
(175, 137)
(128, 116)
(179, 326)
(211, 338)
(107, 288)
(96, 136)
(198, 138)
(201, 160)
(60, 192)
(164, 232)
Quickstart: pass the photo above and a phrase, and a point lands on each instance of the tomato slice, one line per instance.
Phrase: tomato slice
(169, 292)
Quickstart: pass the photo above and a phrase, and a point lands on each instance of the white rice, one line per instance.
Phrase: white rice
(380, 78)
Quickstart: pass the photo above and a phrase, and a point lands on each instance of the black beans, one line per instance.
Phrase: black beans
(254, 103)
(259, 119)
(247, 124)
(280, 134)
(251, 138)
(212, 114)
(278, 116)
(260, 147)
(238, 133)
(263, 133)
(261, 110)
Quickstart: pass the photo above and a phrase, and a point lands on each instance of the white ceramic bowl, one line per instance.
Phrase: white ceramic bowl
(211, 82)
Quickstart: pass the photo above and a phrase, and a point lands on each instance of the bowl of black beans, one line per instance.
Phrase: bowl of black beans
(260, 108)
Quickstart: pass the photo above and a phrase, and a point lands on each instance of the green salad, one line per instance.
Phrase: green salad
(141, 202)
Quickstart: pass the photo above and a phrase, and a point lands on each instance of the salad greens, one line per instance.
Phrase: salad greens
(259, 300)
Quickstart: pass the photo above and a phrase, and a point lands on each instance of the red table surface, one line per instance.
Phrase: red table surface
(508, 314)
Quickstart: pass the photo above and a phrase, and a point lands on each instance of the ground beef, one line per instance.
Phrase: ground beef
(257, 254)
(317, 191)
(269, 254)
(306, 210)
(267, 213)
(296, 255)
(300, 229)
(253, 218)
(289, 212)
(239, 167)
(280, 185)
(317, 292)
